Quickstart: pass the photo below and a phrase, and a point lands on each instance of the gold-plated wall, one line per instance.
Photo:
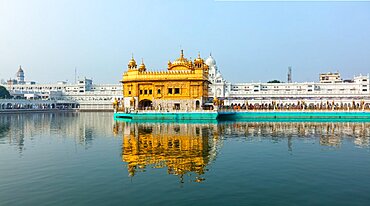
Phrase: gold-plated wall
(185, 80)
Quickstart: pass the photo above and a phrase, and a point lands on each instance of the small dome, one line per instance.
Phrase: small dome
(199, 59)
(20, 69)
(142, 66)
(132, 63)
(210, 61)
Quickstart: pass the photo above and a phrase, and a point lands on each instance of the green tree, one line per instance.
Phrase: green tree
(274, 81)
(4, 93)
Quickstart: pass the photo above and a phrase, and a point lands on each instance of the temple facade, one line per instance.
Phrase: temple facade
(184, 86)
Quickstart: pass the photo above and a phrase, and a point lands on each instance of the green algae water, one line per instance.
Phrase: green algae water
(91, 159)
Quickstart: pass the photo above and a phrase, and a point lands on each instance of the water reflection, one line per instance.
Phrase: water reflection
(189, 148)
(183, 149)
(16, 129)
(328, 133)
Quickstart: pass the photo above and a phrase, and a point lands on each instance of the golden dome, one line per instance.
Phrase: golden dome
(142, 67)
(132, 63)
(198, 60)
(181, 61)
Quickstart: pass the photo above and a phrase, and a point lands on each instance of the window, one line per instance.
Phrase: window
(169, 90)
(364, 90)
(177, 90)
(141, 91)
(129, 92)
(150, 91)
(145, 91)
(158, 91)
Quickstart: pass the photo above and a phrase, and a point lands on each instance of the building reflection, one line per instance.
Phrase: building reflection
(183, 149)
(179, 147)
(328, 133)
(186, 149)
(16, 129)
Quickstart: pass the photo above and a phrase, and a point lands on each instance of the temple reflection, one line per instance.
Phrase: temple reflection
(189, 148)
(183, 149)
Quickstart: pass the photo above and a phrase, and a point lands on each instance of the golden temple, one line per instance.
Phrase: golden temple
(184, 86)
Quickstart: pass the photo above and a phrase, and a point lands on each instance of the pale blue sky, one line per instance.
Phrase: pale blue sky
(251, 41)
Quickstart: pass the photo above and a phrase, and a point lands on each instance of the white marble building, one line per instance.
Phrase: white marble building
(89, 96)
(218, 85)
(330, 87)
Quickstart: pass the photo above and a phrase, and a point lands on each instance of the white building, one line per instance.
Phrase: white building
(218, 83)
(330, 87)
(89, 96)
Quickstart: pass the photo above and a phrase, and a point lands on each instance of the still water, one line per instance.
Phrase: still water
(90, 159)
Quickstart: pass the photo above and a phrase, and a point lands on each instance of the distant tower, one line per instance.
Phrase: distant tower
(20, 75)
(289, 74)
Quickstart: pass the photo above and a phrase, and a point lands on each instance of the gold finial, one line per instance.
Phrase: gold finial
(198, 54)
(182, 53)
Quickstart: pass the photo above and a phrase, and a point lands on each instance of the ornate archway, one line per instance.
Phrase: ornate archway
(145, 104)
(197, 105)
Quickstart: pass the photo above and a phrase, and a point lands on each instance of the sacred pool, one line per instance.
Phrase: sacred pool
(91, 159)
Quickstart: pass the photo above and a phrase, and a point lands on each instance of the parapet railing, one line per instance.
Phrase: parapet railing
(295, 110)
(162, 110)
